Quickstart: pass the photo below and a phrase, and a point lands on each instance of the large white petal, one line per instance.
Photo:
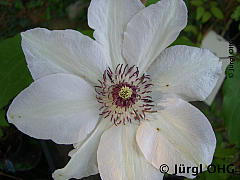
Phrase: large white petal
(177, 134)
(67, 51)
(189, 72)
(61, 107)
(83, 161)
(120, 158)
(152, 30)
(109, 19)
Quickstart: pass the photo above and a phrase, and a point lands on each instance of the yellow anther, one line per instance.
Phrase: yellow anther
(125, 92)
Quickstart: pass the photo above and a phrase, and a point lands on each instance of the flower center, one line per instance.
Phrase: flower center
(125, 92)
(124, 95)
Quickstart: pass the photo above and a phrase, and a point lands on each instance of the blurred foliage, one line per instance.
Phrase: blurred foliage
(236, 15)
(3, 121)
(14, 74)
(231, 104)
(206, 15)
(19, 15)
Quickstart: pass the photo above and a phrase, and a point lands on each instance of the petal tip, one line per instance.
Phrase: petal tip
(59, 175)
(10, 115)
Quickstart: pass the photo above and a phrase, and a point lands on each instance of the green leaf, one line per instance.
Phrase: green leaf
(149, 2)
(213, 4)
(213, 106)
(219, 138)
(1, 133)
(231, 103)
(18, 4)
(48, 13)
(206, 112)
(3, 121)
(87, 33)
(199, 37)
(200, 12)
(4, 3)
(14, 74)
(217, 12)
(196, 2)
(225, 152)
(183, 40)
(236, 14)
(34, 4)
(191, 28)
(216, 175)
(206, 17)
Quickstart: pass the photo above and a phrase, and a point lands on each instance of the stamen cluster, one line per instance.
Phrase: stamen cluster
(124, 95)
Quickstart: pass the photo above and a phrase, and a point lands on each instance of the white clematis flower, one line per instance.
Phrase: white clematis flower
(97, 94)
